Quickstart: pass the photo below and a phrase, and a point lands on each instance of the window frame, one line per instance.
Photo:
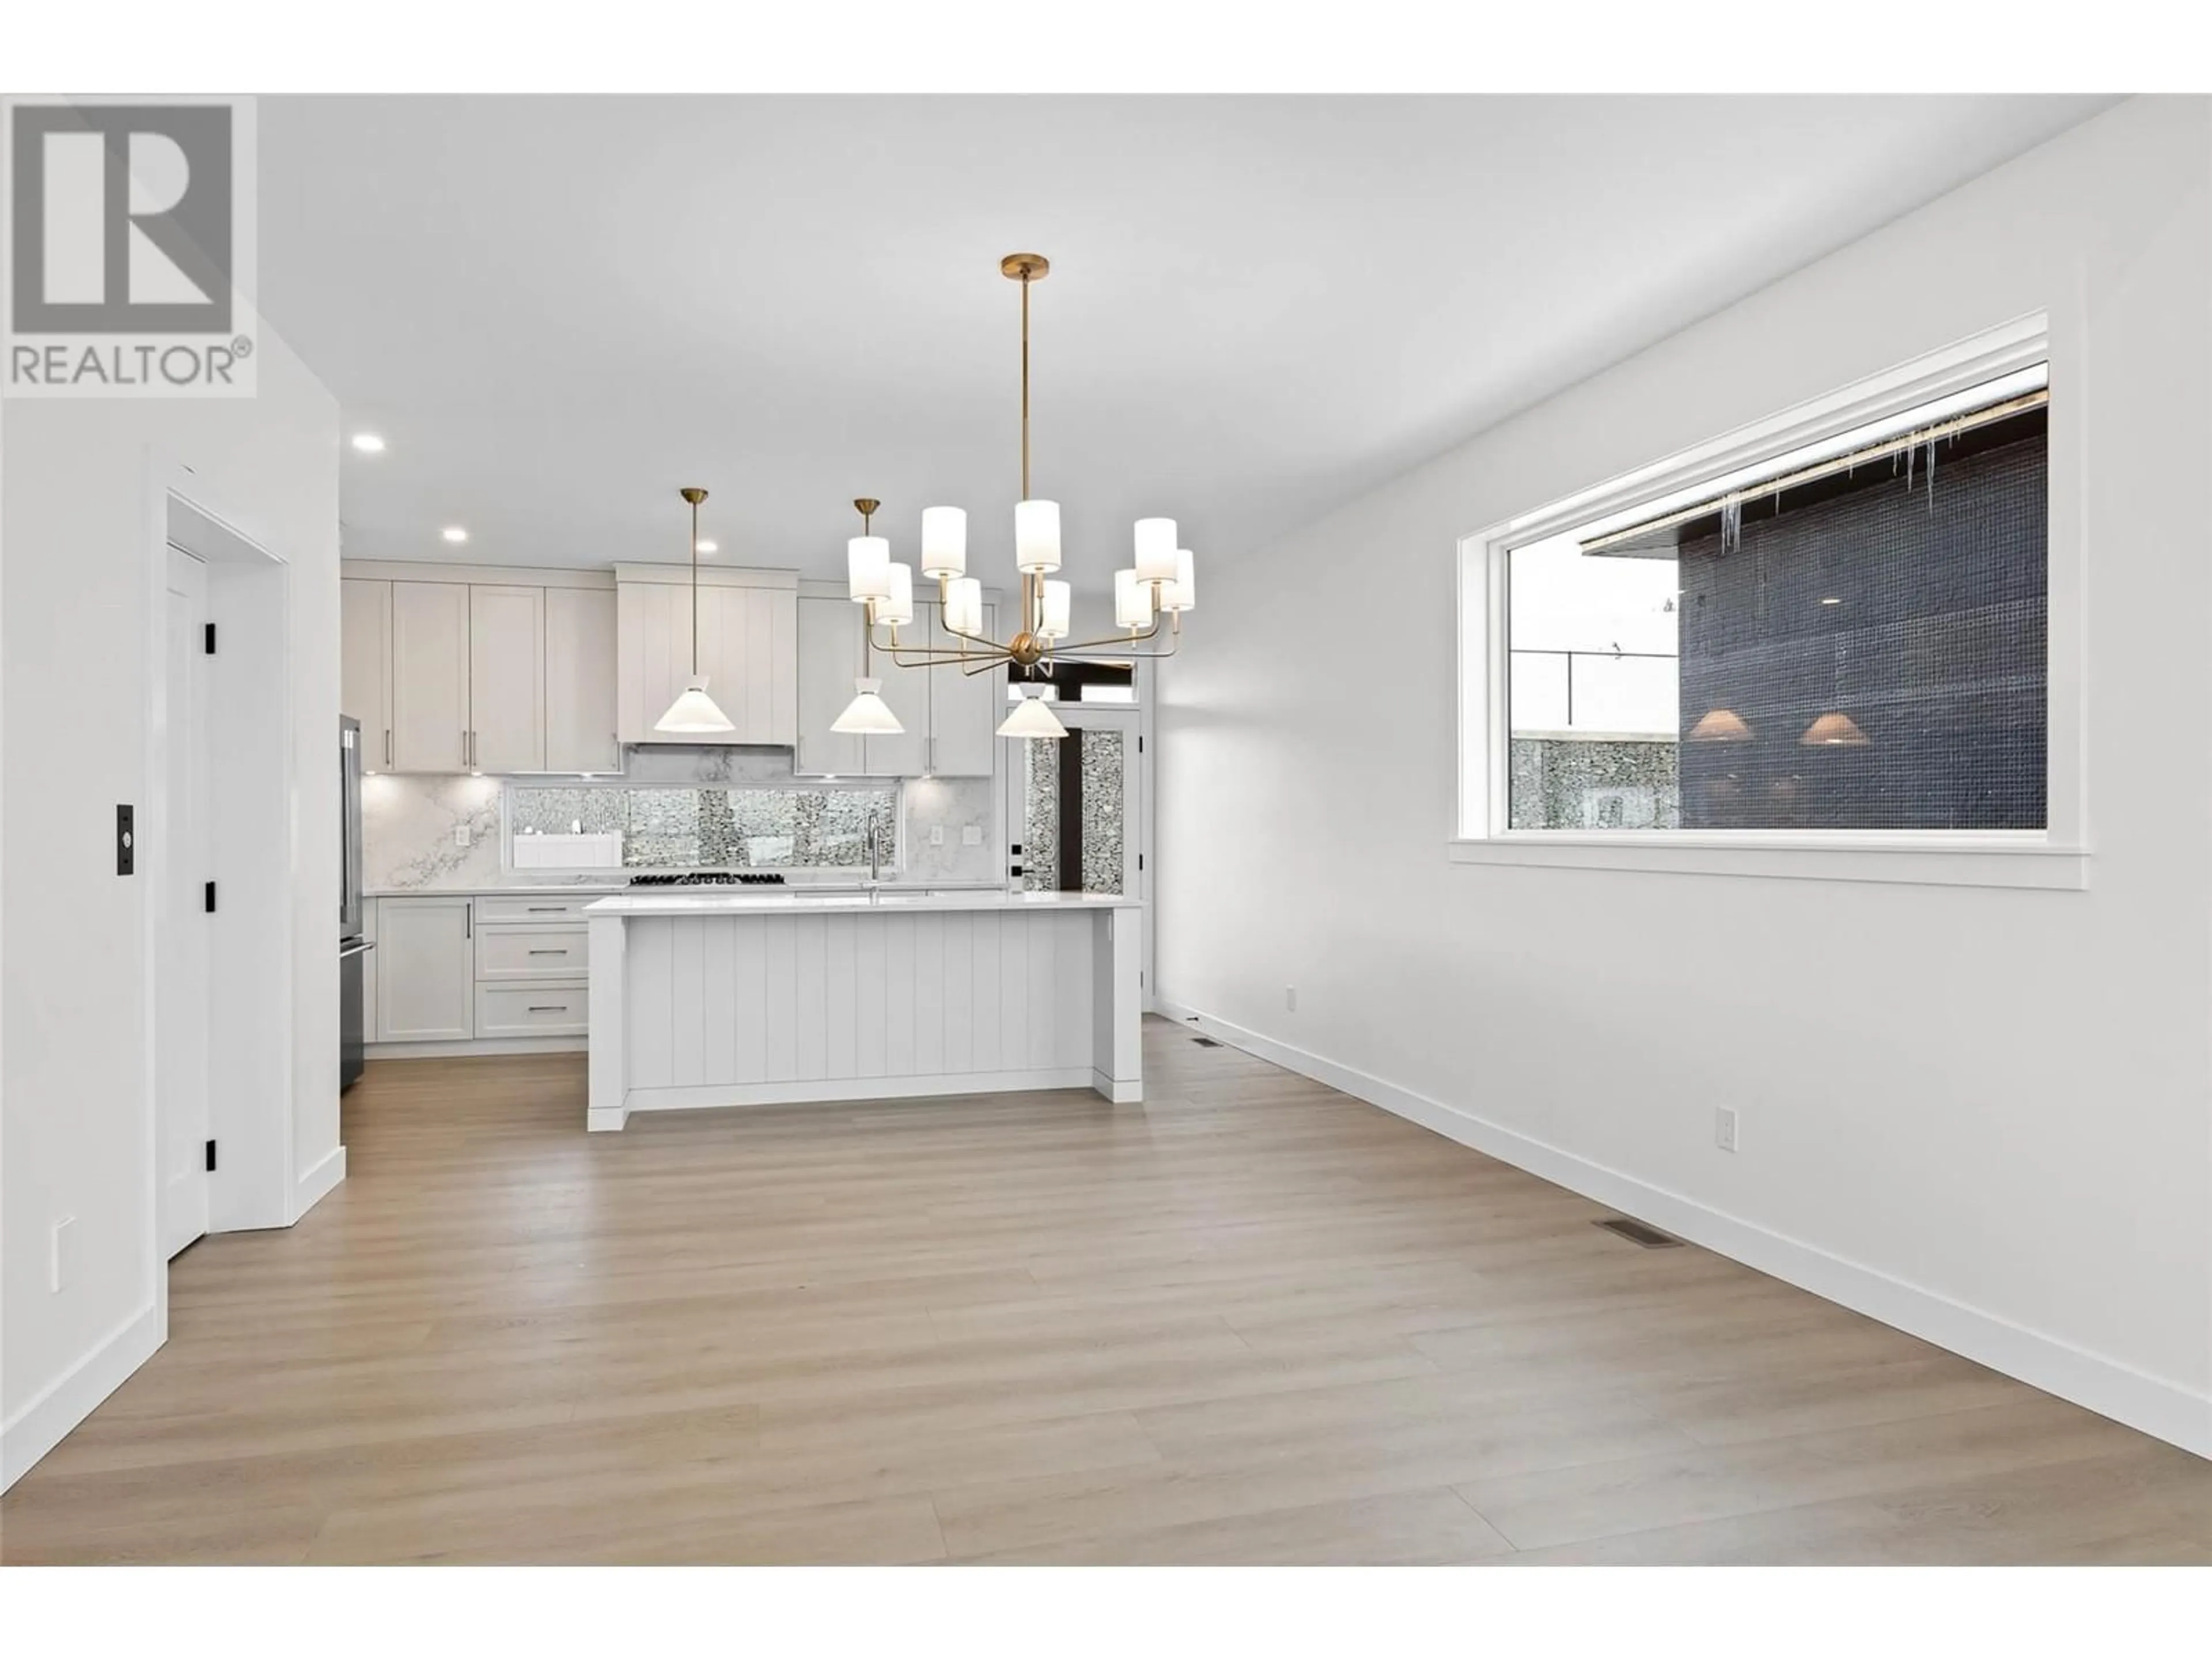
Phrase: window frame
(2055, 857)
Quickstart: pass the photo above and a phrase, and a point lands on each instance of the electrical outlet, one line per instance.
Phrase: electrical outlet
(1725, 1128)
(460, 834)
(61, 1266)
(1290, 998)
(971, 835)
(937, 835)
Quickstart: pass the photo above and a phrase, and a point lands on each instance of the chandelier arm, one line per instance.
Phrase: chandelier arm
(1117, 639)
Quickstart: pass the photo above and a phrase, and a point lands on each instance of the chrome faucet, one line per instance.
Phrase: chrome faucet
(875, 861)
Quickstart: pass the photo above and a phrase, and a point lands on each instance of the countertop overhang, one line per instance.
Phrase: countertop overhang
(887, 900)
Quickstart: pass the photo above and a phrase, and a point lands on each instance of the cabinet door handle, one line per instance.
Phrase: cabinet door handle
(554, 908)
(550, 953)
(549, 1008)
(388, 749)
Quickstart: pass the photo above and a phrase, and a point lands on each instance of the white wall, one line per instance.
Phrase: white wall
(1985, 1114)
(80, 483)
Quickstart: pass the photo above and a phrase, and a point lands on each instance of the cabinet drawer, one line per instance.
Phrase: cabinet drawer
(532, 1010)
(536, 907)
(515, 952)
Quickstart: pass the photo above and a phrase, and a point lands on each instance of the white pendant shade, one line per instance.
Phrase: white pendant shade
(694, 711)
(964, 605)
(898, 609)
(1058, 599)
(944, 541)
(1133, 601)
(1037, 535)
(867, 715)
(1181, 593)
(1155, 549)
(1032, 717)
(868, 567)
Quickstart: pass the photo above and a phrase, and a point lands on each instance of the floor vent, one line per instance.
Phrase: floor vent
(1207, 1042)
(1637, 1233)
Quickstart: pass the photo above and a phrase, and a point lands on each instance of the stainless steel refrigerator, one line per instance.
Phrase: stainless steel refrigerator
(353, 949)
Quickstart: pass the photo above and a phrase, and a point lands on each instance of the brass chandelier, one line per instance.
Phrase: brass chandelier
(1150, 595)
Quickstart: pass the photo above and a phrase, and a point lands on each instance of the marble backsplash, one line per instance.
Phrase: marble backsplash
(409, 820)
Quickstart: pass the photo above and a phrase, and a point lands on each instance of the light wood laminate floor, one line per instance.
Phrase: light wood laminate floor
(1250, 1320)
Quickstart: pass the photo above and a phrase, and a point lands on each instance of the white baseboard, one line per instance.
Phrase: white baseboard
(851, 1091)
(308, 1190)
(464, 1048)
(70, 1398)
(2156, 1405)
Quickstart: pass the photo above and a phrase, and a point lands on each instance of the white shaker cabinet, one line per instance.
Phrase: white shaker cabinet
(506, 678)
(965, 712)
(579, 680)
(365, 667)
(429, 677)
(425, 970)
(829, 662)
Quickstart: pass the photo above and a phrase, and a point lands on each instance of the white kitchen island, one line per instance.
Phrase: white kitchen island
(751, 999)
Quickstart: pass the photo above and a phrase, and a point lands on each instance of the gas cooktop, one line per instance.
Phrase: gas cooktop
(711, 878)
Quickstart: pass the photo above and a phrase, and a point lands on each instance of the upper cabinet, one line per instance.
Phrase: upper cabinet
(429, 677)
(506, 679)
(553, 674)
(964, 710)
(485, 676)
(950, 720)
(747, 642)
(365, 667)
(579, 681)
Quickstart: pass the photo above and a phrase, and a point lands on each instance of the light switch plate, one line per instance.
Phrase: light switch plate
(460, 834)
(971, 835)
(937, 835)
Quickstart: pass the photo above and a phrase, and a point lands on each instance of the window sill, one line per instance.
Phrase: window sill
(1970, 861)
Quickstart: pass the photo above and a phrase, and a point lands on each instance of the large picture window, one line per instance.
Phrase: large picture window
(1848, 637)
(1839, 643)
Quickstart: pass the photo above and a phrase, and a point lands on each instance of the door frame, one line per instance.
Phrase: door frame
(1105, 717)
(165, 853)
(251, 979)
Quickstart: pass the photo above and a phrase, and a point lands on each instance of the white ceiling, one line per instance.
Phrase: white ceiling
(558, 310)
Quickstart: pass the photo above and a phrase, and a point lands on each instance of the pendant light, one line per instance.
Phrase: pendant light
(890, 600)
(693, 713)
(1032, 717)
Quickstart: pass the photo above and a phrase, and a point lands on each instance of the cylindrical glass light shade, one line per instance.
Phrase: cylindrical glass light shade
(1155, 549)
(899, 607)
(1181, 593)
(868, 567)
(867, 714)
(964, 605)
(1037, 535)
(944, 541)
(1058, 601)
(1032, 717)
(1133, 601)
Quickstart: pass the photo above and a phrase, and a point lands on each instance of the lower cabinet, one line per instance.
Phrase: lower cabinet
(425, 970)
(456, 969)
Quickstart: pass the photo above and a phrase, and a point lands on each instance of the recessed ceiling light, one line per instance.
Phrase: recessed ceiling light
(369, 443)
(709, 547)
(453, 532)
(1831, 602)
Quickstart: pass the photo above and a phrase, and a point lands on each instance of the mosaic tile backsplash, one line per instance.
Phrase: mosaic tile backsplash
(746, 827)
(688, 801)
